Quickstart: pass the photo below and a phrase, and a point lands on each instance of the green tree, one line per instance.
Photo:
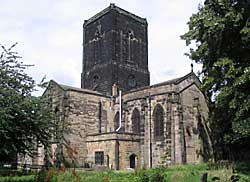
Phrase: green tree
(219, 37)
(25, 120)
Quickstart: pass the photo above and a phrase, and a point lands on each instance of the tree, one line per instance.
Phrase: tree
(25, 120)
(221, 34)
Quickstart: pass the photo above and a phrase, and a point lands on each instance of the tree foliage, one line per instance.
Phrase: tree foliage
(220, 31)
(25, 120)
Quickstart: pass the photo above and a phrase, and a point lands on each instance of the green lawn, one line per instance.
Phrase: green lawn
(186, 173)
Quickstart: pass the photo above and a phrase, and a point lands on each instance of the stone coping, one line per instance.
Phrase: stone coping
(113, 136)
(119, 10)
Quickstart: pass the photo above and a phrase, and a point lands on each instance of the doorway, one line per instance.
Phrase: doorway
(132, 161)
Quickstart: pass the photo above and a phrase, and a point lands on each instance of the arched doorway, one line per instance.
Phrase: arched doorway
(132, 161)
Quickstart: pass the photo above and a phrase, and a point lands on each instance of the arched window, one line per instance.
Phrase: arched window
(130, 40)
(158, 116)
(116, 121)
(136, 121)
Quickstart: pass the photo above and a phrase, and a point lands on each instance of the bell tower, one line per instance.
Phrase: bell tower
(115, 51)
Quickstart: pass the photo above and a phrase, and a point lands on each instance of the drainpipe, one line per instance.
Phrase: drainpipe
(120, 111)
(120, 125)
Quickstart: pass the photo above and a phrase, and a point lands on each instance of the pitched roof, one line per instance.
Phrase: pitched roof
(119, 10)
(175, 80)
(168, 82)
(70, 88)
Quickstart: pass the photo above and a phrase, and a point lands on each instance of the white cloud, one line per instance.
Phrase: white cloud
(49, 33)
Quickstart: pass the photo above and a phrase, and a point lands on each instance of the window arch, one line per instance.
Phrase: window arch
(136, 128)
(158, 116)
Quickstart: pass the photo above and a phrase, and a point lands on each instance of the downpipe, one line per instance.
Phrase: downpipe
(120, 111)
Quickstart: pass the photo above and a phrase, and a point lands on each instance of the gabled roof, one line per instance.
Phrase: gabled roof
(174, 81)
(70, 88)
(119, 10)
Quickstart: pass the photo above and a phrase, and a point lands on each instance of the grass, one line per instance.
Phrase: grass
(29, 178)
(184, 173)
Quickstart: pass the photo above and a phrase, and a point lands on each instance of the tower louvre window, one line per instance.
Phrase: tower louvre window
(130, 36)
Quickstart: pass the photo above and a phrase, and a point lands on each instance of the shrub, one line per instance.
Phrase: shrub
(152, 175)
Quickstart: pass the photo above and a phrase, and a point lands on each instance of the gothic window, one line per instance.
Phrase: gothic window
(99, 158)
(136, 121)
(158, 116)
(130, 38)
(97, 51)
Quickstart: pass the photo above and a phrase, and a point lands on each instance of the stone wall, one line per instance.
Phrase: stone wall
(115, 49)
(90, 117)
(56, 99)
(86, 114)
(196, 127)
(161, 148)
(117, 146)
(177, 101)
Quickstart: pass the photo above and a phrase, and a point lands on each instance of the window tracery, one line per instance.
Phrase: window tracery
(158, 116)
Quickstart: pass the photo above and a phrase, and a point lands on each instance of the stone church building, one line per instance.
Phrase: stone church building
(117, 119)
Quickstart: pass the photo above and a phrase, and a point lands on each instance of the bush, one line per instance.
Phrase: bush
(152, 175)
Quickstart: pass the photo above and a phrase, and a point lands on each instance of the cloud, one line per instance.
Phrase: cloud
(50, 34)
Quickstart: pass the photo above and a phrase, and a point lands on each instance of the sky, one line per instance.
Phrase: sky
(49, 35)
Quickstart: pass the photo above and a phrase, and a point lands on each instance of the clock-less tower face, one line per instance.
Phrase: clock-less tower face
(115, 51)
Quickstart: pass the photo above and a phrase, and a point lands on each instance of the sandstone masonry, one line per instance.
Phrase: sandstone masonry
(149, 126)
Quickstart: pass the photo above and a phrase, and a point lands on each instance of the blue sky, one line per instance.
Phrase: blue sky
(49, 34)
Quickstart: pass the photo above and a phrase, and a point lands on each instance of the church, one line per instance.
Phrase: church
(117, 119)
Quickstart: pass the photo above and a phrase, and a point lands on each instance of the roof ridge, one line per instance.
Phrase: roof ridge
(167, 82)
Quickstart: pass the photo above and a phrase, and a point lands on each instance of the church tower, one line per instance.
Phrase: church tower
(115, 51)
